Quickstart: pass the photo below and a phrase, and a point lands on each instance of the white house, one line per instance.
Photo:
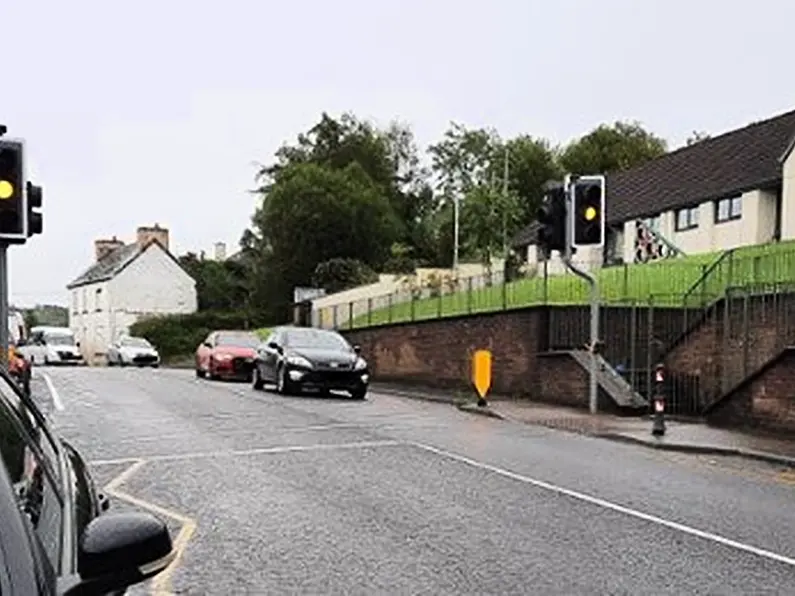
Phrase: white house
(732, 190)
(127, 282)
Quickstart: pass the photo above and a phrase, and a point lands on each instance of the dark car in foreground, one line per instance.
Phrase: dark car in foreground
(227, 355)
(304, 358)
(56, 537)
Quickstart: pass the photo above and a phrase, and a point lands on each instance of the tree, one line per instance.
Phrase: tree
(336, 275)
(486, 217)
(611, 148)
(313, 213)
(463, 159)
(532, 162)
(220, 285)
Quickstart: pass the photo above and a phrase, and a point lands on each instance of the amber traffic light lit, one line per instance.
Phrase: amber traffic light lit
(6, 190)
(590, 213)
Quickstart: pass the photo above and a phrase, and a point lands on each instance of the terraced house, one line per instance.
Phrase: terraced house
(733, 190)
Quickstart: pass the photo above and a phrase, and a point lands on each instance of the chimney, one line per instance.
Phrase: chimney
(104, 247)
(220, 251)
(145, 234)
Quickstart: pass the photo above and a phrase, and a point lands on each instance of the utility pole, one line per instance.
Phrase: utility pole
(504, 207)
(456, 207)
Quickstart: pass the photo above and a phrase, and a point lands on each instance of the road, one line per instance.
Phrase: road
(269, 494)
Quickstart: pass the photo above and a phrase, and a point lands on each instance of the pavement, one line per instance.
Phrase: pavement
(680, 434)
(268, 494)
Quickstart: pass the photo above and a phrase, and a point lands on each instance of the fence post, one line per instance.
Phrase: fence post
(336, 324)
(626, 281)
(745, 335)
(350, 314)
(389, 306)
(651, 356)
(469, 294)
(505, 288)
(413, 303)
(369, 311)
(546, 281)
(439, 304)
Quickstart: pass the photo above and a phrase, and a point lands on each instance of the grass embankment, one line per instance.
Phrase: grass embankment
(663, 283)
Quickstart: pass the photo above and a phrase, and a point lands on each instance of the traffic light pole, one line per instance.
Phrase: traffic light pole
(4, 304)
(593, 386)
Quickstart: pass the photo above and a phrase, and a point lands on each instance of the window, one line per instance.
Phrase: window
(653, 223)
(686, 219)
(98, 299)
(728, 209)
(31, 460)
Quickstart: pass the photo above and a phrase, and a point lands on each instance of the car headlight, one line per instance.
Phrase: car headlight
(361, 364)
(299, 361)
(223, 357)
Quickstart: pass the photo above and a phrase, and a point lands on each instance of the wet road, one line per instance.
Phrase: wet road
(270, 495)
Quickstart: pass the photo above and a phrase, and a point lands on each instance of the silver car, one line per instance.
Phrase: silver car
(133, 351)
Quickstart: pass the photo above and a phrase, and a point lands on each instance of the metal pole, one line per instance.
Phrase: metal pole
(593, 387)
(4, 304)
(455, 235)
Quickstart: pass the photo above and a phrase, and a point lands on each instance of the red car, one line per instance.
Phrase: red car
(227, 355)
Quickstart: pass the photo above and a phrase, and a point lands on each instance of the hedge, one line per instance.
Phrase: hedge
(180, 335)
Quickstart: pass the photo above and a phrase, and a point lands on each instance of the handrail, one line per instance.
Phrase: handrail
(703, 277)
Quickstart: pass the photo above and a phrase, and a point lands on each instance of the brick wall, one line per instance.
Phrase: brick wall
(736, 338)
(767, 401)
(437, 352)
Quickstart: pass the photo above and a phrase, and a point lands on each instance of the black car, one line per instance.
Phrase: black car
(55, 535)
(304, 358)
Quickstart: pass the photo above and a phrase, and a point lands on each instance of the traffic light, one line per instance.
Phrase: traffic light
(588, 211)
(34, 198)
(12, 192)
(552, 218)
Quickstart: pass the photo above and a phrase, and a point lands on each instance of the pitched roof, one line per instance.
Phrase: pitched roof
(740, 160)
(733, 162)
(112, 264)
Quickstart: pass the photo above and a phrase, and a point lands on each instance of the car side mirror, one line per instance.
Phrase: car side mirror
(77, 344)
(274, 346)
(21, 342)
(357, 349)
(207, 344)
(120, 550)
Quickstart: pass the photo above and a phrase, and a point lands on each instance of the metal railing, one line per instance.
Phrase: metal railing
(655, 283)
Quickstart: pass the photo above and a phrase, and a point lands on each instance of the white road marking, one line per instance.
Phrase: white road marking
(245, 452)
(56, 398)
(716, 538)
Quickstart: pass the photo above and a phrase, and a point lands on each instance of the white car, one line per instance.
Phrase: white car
(133, 351)
(51, 345)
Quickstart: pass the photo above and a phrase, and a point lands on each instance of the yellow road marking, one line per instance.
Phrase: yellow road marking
(161, 583)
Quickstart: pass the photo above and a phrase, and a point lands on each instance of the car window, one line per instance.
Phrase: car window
(30, 459)
(238, 340)
(135, 342)
(315, 338)
(60, 339)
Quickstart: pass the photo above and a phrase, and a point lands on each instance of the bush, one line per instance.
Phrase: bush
(178, 335)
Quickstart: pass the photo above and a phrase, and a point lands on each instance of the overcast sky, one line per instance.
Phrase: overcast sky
(153, 111)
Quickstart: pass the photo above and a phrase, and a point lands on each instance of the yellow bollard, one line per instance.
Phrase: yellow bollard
(481, 374)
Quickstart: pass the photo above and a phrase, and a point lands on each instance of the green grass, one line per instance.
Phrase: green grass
(263, 332)
(663, 283)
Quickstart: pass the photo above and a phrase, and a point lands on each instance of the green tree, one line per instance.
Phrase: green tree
(613, 148)
(486, 214)
(313, 213)
(532, 162)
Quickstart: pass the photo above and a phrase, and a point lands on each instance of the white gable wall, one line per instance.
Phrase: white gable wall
(151, 284)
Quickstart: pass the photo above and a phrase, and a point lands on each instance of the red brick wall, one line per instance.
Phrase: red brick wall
(767, 402)
(438, 352)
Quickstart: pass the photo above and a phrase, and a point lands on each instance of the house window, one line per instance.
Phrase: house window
(686, 219)
(653, 223)
(728, 209)
(98, 299)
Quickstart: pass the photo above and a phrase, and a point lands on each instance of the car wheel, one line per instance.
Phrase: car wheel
(210, 373)
(359, 394)
(199, 373)
(257, 381)
(283, 385)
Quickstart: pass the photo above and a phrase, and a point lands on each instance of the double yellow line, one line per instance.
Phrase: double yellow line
(161, 583)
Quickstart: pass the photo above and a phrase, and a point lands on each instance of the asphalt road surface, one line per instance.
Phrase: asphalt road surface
(300, 495)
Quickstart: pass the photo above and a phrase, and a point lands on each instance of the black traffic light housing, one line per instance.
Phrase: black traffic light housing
(588, 211)
(12, 192)
(551, 217)
(34, 195)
